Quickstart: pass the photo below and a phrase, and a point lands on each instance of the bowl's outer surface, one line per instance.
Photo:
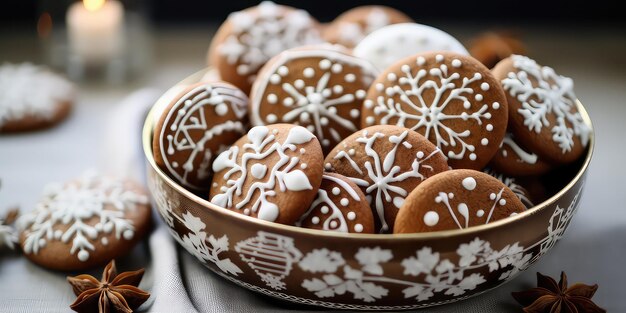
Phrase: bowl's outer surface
(356, 271)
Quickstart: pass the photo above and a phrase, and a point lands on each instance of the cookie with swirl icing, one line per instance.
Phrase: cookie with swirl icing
(544, 114)
(349, 28)
(513, 159)
(387, 163)
(456, 199)
(204, 119)
(249, 38)
(451, 99)
(340, 206)
(319, 87)
(272, 173)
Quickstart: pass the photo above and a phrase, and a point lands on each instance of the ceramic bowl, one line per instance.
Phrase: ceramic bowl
(362, 271)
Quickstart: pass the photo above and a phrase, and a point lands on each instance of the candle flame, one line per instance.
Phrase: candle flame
(93, 5)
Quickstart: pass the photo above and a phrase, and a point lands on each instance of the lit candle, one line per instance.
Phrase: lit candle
(95, 30)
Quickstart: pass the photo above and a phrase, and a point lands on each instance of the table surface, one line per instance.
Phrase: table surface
(592, 251)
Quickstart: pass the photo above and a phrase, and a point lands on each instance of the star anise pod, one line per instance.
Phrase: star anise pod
(114, 293)
(558, 298)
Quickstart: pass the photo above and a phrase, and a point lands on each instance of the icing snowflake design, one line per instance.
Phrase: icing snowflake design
(542, 92)
(188, 117)
(520, 154)
(73, 206)
(311, 102)
(429, 118)
(383, 172)
(517, 189)
(284, 173)
(352, 33)
(17, 99)
(258, 35)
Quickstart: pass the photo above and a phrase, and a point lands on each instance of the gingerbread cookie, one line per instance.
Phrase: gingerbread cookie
(456, 199)
(340, 206)
(451, 99)
(318, 87)
(512, 159)
(32, 98)
(202, 121)
(349, 28)
(543, 112)
(249, 38)
(492, 47)
(85, 222)
(515, 186)
(386, 46)
(386, 162)
(273, 173)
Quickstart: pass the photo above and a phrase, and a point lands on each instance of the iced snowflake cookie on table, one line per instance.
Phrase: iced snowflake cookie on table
(340, 206)
(387, 163)
(85, 222)
(319, 87)
(451, 99)
(389, 44)
(513, 159)
(456, 199)
(273, 173)
(202, 121)
(543, 112)
(249, 38)
(349, 28)
(32, 98)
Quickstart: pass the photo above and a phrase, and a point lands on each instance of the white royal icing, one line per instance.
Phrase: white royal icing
(29, 90)
(517, 189)
(284, 173)
(389, 44)
(542, 92)
(520, 154)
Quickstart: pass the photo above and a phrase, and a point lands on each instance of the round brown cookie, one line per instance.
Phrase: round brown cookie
(273, 173)
(318, 87)
(543, 113)
(85, 222)
(451, 99)
(32, 98)
(456, 199)
(515, 186)
(249, 38)
(512, 159)
(386, 162)
(202, 121)
(353, 25)
(492, 47)
(339, 206)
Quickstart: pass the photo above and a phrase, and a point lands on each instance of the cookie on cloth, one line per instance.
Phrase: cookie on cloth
(319, 87)
(392, 43)
(85, 222)
(249, 38)
(512, 159)
(273, 173)
(387, 163)
(515, 185)
(340, 206)
(349, 28)
(200, 122)
(456, 199)
(451, 99)
(543, 112)
(33, 98)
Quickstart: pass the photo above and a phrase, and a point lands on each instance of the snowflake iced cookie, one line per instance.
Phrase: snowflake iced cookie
(32, 97)
(340, 206)
(389, 44)
(199, 123)
(387, 163)
(249, 38)
(451, 99)
(543, 113)
(513, 159)
(85, 222)
(318, 87)
(273, 173)
(349, 28)
(515, 185)
(456, 199)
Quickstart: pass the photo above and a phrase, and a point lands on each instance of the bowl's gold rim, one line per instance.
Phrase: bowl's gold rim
(147, 148)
